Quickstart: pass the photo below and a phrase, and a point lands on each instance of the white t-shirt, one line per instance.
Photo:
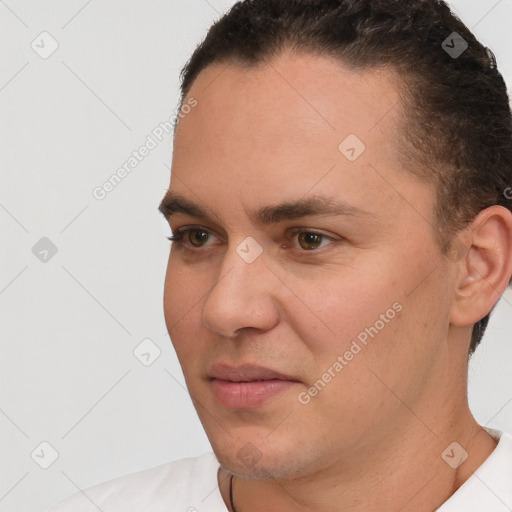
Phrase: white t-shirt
(190, 485)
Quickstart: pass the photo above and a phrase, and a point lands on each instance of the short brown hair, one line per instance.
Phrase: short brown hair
(458, 124)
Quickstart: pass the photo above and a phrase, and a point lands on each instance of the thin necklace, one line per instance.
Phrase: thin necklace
(233, 508)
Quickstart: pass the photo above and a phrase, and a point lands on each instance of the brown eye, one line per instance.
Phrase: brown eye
(309, 241)
(197, 237)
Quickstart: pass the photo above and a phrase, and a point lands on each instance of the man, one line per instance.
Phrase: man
(340, 204)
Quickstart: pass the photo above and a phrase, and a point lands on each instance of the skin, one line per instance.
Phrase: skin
(372, 439)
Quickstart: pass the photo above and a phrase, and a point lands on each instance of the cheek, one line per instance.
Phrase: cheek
(181, 308)
(174, 300)
(343, 309)
(182, 289)
(381, 316)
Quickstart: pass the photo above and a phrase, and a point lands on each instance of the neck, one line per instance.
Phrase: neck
(399, 468)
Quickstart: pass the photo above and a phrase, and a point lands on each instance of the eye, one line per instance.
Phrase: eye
(311, 240)
(191, 237)
(197, 238)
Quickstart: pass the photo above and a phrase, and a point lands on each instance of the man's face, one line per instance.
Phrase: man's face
(351, 307)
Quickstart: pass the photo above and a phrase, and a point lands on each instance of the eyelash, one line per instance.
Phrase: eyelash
(178, 238)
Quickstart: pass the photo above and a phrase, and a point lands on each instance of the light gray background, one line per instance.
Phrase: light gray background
(69, 325)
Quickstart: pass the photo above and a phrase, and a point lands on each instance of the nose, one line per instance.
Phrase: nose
(243, 296)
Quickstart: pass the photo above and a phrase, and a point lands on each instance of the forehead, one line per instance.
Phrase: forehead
(321, 91)
(295, 124)
(301, 103)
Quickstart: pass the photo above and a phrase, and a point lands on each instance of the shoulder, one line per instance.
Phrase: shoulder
(187, 485)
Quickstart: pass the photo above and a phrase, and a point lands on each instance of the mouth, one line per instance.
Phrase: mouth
(247, 386)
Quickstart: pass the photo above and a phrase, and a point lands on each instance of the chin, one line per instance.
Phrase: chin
(259, 459)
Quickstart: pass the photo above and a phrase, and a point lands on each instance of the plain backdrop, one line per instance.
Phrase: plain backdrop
(81, 278)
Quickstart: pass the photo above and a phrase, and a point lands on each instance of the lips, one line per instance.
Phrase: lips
(247, 386)
(245, 373)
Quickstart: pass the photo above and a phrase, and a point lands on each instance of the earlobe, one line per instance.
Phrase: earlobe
(485, 268)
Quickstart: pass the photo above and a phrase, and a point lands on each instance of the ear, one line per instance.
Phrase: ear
(484, 267)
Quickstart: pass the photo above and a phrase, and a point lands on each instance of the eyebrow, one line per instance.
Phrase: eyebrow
(174, 203)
